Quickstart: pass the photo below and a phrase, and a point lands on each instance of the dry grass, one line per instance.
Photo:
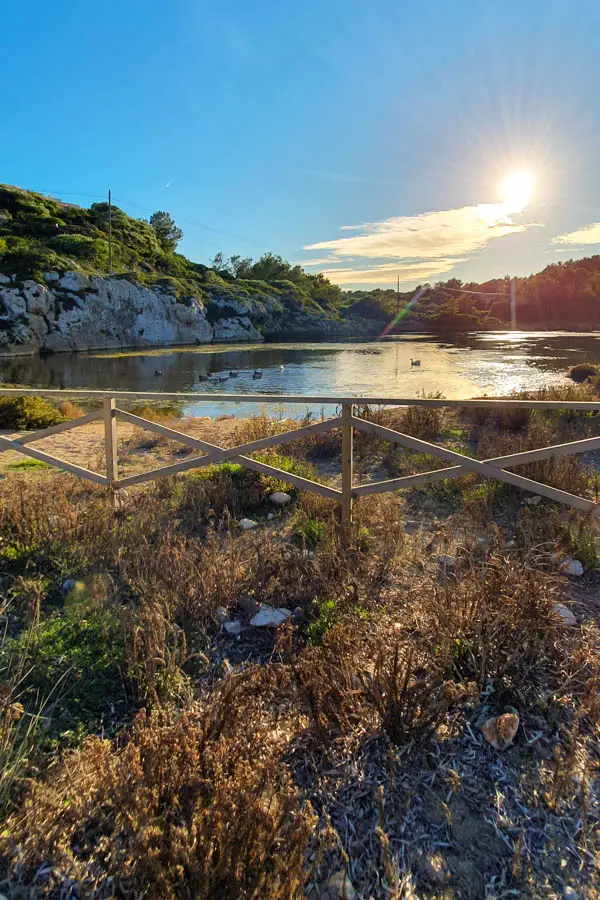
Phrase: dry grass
(69, 410)
(194, 804)
(365, 706)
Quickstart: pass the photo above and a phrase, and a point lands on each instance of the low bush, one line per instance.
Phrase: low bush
(28, 413)
(79, 655)
(582, 371)
(91, 250)
(69, 410)
(195, 804)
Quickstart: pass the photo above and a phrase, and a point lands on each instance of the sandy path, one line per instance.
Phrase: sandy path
(84, 446)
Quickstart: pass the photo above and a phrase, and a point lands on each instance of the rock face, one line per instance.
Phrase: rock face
(75, 311)
(78, 312)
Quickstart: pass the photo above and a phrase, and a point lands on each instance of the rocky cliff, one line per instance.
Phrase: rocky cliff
(74, 311)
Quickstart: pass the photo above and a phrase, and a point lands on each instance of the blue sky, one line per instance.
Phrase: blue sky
(369, 138)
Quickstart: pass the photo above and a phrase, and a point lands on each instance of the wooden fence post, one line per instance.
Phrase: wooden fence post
(110, 446)
(347, 462)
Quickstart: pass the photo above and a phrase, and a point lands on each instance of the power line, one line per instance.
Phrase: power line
(145, 209)
(238, 237)
(478, 293)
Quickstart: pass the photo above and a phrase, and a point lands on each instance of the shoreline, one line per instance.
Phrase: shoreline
(274, 341)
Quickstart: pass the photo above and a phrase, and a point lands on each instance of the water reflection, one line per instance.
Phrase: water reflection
(491, 363)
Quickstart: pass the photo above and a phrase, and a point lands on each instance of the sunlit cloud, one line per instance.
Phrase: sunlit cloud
(589, 234)
(321, 261)
(450, 232)
(387, 273)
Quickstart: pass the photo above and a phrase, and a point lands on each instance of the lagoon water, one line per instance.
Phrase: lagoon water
(485, 363)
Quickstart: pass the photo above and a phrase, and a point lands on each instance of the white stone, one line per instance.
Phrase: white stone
(565, 613)
(68, 585)
(570, 893)
(49, 277)
(270, 517)
(533, 501)
(571, 567)
(269, 617)
(4, 279)
(74, 281)
(279, 498)
(247, 524)
(446, 561)
(341, 886)
(234, 628)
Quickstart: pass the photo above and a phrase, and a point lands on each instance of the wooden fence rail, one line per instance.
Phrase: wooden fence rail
(347, 422)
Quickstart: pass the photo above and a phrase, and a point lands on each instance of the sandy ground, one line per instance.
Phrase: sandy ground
(84, 445)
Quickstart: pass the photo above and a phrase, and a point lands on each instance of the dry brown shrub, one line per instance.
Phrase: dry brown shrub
(565, 472)
(194, 804)
(333, 679)
(69, 410)
(497, 623)
(424, 422)
(412, 701)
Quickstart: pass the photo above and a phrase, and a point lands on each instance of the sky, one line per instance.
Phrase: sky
(364, 140)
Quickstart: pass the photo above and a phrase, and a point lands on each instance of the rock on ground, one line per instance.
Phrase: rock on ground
(500, 731)
(279, 498)
(565, 613)
(269, 617)
(341, 886)
(247, 524)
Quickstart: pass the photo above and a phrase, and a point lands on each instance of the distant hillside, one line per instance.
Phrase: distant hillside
(564, 295)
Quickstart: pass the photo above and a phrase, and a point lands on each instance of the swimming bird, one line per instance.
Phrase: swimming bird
(415, 362)
(202, 377)
(158, 372)
(257, 374)
(233, 374)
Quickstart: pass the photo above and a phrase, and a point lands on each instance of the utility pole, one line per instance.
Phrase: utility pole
(513, 305)
(109, 232)
(398, 296)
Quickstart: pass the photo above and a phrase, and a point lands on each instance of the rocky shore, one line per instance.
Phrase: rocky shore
(73, 311)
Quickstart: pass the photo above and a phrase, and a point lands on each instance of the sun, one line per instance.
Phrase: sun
(516, 189)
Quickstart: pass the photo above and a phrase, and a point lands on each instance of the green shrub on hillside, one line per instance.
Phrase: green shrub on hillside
(90, 250)
(28, 258)
(28, 413)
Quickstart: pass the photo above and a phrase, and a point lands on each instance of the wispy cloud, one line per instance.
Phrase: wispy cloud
(450, 232)
(589, 234)
(321, 261)
(169, 183)
(387, 273)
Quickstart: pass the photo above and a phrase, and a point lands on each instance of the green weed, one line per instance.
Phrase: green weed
(326, 615)
(27, 464)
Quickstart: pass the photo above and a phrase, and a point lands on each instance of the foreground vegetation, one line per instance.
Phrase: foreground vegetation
(149, 748)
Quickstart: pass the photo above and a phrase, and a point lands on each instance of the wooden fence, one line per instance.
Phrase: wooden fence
(496, 468)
